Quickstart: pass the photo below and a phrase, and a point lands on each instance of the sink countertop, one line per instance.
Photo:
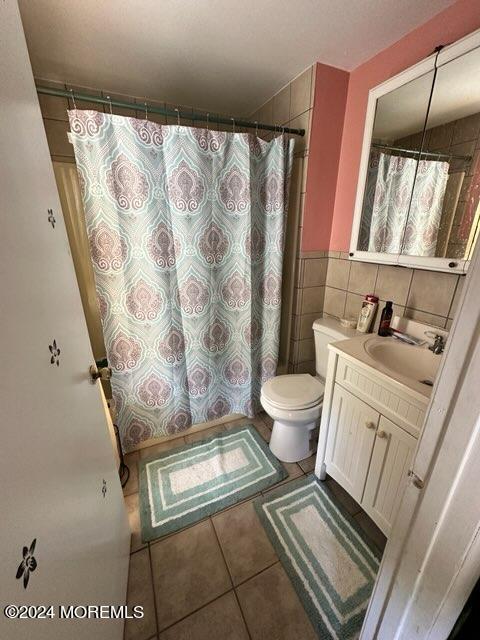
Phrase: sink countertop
(355, 349)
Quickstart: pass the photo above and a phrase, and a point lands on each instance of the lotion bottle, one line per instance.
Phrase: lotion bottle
(367, 313)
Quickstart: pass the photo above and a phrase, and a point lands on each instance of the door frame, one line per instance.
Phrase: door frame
(431, 560)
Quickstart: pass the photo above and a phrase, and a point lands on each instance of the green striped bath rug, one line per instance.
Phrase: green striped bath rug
(184, 485)
(331, 564)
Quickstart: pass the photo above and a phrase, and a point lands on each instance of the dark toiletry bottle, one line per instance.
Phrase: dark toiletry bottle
(384, 326)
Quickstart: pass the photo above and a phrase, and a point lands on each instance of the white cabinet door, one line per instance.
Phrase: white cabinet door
(64, 536)
(350, 441)
(388, 472)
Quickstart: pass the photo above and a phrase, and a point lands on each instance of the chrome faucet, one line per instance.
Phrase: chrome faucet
(438, 342)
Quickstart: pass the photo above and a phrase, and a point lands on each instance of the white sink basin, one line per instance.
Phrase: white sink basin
(416, 363)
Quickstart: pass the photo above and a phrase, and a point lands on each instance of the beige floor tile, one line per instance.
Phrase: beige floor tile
(161, 447)
(206, 433)
(219, 620)
(272, 609)
(244, 543)
(262, 428)
(267, 420)
(308, 465)
(131, 460)
(140, 592)
(132, 504)
(371, 529)
(188, 572)
(294, 471)
(344, 498)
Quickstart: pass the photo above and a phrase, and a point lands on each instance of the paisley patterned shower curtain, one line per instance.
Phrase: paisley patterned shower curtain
(397, 224)
(186, 233)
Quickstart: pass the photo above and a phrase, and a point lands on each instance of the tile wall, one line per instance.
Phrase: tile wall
(426, 296)
(292, 107)
(55, 118)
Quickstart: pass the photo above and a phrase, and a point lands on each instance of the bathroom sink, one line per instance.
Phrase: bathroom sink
(416, 363)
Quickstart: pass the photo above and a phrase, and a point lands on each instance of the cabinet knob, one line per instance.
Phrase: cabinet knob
(382, 434)
(370, 425)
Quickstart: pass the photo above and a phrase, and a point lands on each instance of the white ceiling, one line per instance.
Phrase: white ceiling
(222, 55)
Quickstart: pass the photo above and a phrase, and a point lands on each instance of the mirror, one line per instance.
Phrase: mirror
(444, 212)
(422, 181)
(394, 152)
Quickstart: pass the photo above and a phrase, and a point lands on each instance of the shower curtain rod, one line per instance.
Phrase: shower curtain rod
(421, 153)
(203, 117)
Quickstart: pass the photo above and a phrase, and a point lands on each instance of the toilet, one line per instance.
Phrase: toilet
(294, 401)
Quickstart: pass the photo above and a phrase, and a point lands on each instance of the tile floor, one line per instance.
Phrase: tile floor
(219, 578)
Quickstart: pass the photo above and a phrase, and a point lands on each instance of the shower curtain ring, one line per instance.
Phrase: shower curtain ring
(256, 128)
(233, 125)
(178, 116)
(146, 111)
(110, 102)
(208, 122)
(73, 99)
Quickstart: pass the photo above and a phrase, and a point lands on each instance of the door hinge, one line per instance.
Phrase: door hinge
(416, 480)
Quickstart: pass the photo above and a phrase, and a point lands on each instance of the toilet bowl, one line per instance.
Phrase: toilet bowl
(294, 403)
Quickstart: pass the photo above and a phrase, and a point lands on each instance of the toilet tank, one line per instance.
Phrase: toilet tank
(326, 330)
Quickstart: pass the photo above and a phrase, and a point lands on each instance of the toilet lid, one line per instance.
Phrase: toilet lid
(293, 391)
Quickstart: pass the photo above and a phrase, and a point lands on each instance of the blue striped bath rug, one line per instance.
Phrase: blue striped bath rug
(184, 485)
(326, 555)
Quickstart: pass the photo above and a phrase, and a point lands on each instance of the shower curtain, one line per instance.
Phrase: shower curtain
(398, 225)
(186, 230)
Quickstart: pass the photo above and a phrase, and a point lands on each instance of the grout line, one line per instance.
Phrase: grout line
(376, 278)
(195, 611)
(409, 289)
(221, 551)
(255, 575)
(153, 588)
(173, 533)
(221, 596)
(242, 614)
(145, 545)
(453, 297)
(230, 576)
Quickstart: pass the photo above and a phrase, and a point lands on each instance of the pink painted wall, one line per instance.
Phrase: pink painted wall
(331, 87)
(453, 23)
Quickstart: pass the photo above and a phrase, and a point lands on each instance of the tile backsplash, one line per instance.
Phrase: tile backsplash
(335, 286)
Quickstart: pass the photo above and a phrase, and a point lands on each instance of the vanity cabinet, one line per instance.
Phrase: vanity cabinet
(366, 452)
(353, 425)
(391, 456)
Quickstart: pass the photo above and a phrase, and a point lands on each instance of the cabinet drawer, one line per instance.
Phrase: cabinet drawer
(351, 435)
(392, 453)
(399, 406)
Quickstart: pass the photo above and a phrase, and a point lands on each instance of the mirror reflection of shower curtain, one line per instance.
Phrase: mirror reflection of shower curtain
(402, 221)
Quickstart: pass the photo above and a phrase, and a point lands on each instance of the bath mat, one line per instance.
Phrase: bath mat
(331, 564)
(184, 485)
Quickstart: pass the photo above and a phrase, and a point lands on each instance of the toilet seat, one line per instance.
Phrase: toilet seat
(293, 392)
